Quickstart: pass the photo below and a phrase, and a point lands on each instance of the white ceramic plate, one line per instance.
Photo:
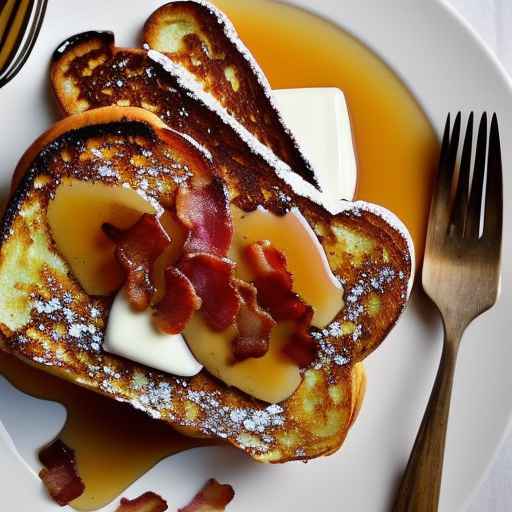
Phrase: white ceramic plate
(447, 67)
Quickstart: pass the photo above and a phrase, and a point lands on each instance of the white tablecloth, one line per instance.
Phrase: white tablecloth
(492, 19)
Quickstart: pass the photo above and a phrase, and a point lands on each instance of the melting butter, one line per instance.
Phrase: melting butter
(271, 378)
(75, 217)
(320, 120)
(132, 335)
(313, 279)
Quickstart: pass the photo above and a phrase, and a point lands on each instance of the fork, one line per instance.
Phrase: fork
(20, 23)
(461, 273)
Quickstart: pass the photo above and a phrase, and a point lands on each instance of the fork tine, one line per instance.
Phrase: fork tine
(446, 141)
(9, 51)
(439, 212)
(461, 196)
(452, 153)
(475, 198)
(493, 220)
(30, 41)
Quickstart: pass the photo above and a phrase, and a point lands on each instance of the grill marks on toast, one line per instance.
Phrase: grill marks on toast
(202, 40)
(50, 322)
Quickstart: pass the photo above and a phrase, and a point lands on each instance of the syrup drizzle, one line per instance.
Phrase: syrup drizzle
(397, 151)
(105, 434)
(396, 146)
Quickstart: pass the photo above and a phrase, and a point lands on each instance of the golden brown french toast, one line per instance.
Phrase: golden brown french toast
(88, 71)
(84, 74)
(197, 36)
(48, 320)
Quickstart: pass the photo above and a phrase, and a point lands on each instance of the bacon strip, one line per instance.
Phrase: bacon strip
(301, 347)
(147, 502)
(59, 475)
(178, 304)
(274, 284)
(254, 325)
(137, 250)
(213, 497)
(205, 212)
(212, 278)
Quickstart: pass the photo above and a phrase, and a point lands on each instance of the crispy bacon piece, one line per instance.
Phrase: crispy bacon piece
(137, 250)
(59, 475)
(254, 325)
(274, 282)
(265, 259)
(301, 347)
(147, 502)
(178, 304)
(212, 278)
(205, 212)
(213, 497)
(275, 293)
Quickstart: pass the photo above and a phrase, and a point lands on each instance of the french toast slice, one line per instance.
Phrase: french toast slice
(199, 37)
(49, 321)
(89, 71)
(84, 73)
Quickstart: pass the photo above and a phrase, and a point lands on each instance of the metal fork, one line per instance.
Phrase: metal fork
(20, 23)
(461, 273)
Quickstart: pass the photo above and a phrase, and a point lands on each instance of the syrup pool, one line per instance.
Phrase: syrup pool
(397, 153)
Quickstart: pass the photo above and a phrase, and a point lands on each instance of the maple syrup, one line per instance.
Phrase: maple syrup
(114, 443)
(79, 234)
(397, 151)
(396, 147)
(292, 235)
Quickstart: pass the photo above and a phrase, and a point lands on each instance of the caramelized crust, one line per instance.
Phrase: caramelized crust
(349, 239)
(49, 321)
(202, 40)
(131, 78)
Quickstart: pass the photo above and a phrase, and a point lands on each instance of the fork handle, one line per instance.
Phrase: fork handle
(421, 483)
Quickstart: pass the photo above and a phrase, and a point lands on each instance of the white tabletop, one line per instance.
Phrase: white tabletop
(492, 19)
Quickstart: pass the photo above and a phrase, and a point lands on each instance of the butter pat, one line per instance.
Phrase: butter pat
(320, 121)
(313, 279)
(132, 335)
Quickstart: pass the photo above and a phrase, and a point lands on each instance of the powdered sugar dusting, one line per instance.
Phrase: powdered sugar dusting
(73, 323)
(224, 421)
(300, 186)
(232, 35)
(360, 298)
(194, 143)
(399, 226)
(106, 171)
(187, 81)
(84, 329)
